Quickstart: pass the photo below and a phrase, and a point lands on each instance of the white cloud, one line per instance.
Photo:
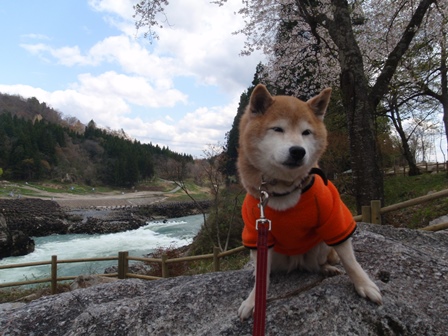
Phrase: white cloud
(119, 73)
(131, 56)
(135, 90)
(67, 56)
(134, 58)
(122, 8)
(196, 41)
(35, 36)
(202, 42)
(199, 45)
(118, 13)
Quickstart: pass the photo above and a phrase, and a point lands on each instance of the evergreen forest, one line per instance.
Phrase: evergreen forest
(37, 143)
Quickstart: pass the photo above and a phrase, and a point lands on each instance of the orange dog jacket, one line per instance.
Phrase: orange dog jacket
(320, 215)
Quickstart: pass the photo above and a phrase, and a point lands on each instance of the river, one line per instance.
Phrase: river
(174, 232)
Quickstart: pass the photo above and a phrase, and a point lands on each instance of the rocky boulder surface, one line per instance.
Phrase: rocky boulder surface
(13, 242)
(174, 209)
(34, 217)
(410, 267)
(117, 222)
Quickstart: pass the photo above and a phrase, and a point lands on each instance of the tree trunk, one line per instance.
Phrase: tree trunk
(444, 84)
(409, 157)
(445, 122)
(367, 176)
(407, 153)
(360, 101)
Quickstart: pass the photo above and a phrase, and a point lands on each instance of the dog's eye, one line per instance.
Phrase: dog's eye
(307, 132)
(277, 129)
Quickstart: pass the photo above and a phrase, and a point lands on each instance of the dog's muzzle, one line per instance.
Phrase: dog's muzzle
(296, 155)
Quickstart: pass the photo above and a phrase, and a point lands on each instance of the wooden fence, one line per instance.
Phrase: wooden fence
(370, 214)
(123, 266)
(425, 167)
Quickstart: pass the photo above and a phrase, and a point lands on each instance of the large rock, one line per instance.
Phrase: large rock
(100, 225)
(21, 244)
(5, 238)
(34, 217)
(410, 267)
(13, 242)
(174, 209)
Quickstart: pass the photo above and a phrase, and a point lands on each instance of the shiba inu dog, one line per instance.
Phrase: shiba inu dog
(281, 141)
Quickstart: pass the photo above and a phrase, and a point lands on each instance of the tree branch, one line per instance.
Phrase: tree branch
(382, 83)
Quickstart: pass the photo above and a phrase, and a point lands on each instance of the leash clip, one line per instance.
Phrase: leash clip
(264, 197)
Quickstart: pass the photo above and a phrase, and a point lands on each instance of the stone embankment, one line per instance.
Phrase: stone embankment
(37, 217)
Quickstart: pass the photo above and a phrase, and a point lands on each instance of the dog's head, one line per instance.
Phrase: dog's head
(282, 137)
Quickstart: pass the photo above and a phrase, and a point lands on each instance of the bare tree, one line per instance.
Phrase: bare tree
(215, 179)
(216, 228)
(423, 70)
(411, 116)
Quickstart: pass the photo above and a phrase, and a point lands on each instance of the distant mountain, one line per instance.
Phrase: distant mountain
(38, 142)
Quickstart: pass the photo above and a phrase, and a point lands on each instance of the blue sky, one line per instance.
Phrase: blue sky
(85, 59)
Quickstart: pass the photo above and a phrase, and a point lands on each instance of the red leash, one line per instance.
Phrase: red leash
(263, 226)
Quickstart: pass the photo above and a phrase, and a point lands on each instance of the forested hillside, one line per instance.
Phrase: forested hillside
(37, 142)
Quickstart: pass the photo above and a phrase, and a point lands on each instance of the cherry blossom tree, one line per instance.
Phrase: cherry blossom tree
(357, 45)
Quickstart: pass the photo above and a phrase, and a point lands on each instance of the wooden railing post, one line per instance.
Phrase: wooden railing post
(165, 273)
(366, 214)
(54, 274)
(123, 264)
(375, 206)
(216, 265)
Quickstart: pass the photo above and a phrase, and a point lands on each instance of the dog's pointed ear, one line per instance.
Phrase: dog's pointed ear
(260, 99)
(320, 102)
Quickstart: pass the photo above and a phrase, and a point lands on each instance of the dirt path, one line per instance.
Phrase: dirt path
(109, 200)
(102, 199)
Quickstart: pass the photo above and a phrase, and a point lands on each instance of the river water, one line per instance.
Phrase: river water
(175, 232)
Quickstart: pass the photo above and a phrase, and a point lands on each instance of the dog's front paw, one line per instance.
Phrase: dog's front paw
(368, 289)
(246, 309)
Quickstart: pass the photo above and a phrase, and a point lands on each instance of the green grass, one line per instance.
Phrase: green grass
(197, 192)
(398, 189)
(155, 184)
(36, 189)
(402, 188)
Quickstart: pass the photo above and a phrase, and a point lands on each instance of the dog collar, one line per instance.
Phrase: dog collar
(308, 185)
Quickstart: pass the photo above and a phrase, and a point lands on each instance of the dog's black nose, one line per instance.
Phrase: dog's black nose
(297, 153)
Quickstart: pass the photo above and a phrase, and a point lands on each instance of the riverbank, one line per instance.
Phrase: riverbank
(38, 217)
